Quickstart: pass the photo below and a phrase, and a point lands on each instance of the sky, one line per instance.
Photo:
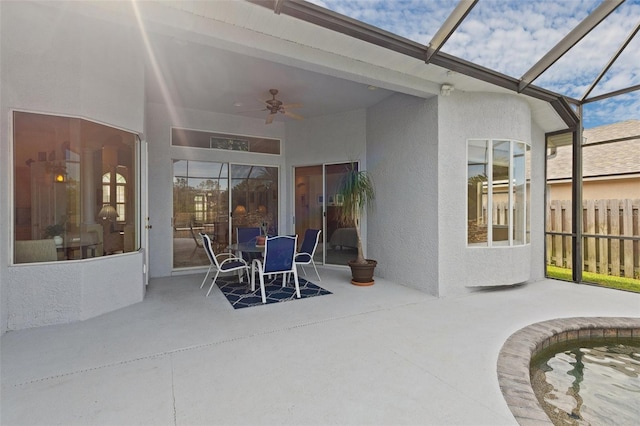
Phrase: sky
(510, 36)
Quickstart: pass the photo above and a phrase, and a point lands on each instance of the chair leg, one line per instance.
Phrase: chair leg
(253, 276)
(295, 279)
(206, 275)
(303, 270)
(213, 282)
(314, 267)
(246, 272)
(262, 291)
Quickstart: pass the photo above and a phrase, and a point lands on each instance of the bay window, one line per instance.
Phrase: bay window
(497, 192)
(74, 188)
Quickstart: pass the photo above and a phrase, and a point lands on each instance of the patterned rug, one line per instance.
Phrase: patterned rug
(241, 296)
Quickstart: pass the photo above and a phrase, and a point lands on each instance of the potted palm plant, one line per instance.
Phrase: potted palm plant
(357, 192)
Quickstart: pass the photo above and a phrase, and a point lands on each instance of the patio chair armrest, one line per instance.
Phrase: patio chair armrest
(232, 258)
(302, 253)
(221, 257)
(258, 264)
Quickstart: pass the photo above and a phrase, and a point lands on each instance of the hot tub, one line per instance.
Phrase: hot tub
(515, 356)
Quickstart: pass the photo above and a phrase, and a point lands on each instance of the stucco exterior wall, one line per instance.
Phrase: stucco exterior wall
(161, 153)
(402, 152)
(475, 115)
(55, 61)
(538, 203)
(63, 292)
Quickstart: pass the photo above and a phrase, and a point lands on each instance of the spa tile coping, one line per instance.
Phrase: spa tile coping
(516, 354)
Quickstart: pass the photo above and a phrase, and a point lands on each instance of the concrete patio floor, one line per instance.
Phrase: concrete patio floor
(385, 354)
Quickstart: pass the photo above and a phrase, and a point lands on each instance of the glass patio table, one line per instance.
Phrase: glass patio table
(249, 247)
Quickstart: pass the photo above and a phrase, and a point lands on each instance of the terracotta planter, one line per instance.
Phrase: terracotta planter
(260, 240)
(362, 275)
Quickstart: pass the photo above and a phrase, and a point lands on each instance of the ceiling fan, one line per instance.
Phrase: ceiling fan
(275, 106)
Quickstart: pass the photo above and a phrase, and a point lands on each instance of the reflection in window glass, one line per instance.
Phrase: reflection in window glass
(200, 204)
(477, 179)
(500, 211)
(120, 188)
(65, 172)
(254, 198)
(497, 193)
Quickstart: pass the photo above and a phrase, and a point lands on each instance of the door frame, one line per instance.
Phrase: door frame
(293, 199)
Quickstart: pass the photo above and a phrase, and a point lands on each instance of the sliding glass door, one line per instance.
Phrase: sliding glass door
(206, 195)
(317, 206)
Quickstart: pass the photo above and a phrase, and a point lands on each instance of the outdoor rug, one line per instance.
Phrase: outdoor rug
(241, 296)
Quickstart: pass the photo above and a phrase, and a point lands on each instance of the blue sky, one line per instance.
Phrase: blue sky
(510, 36)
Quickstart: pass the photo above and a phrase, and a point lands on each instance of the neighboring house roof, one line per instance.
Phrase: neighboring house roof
(607, 159)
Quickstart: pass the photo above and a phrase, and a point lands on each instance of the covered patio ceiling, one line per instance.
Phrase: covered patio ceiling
(342, 64)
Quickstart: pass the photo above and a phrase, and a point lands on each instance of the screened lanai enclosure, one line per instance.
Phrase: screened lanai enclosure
(580, 56)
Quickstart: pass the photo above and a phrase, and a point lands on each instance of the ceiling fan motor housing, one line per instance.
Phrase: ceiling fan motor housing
(274, 106)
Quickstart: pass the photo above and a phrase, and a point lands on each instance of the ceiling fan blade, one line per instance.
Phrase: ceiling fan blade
(269, 119)
(294, 116)
(288, 106)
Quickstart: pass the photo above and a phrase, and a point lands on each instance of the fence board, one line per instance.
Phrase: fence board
(559, 252)
(614, 225)
(549, 238)
(602, 208)
(590, 228)
(566, 227)
(627, 230)
(606, 255)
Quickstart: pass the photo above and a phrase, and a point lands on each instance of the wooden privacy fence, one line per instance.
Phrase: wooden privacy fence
(608, 254)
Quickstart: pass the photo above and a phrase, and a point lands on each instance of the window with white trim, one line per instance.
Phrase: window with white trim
(498, 183)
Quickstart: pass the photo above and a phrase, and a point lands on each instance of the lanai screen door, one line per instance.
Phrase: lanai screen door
(317, 205)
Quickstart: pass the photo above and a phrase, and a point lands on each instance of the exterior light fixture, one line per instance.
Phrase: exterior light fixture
(446, 89)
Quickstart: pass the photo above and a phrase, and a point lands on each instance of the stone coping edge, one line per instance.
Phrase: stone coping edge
(516, 353)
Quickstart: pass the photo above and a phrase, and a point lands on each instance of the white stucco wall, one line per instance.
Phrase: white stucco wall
(161, 153)
(462, 116)
(59, 62)
(402, 147)
(63, 292)
(538, 204)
